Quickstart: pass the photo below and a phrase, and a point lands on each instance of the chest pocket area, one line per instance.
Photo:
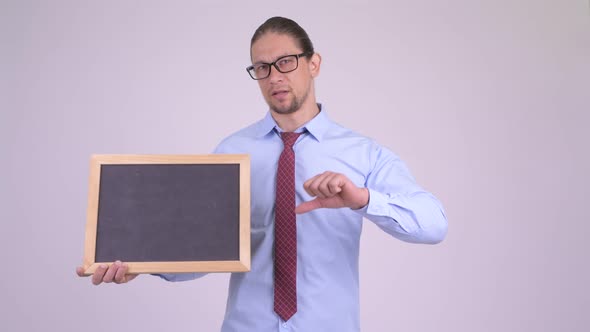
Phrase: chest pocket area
(262, 199)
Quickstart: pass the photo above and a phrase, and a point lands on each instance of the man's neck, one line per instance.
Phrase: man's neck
(290, 122)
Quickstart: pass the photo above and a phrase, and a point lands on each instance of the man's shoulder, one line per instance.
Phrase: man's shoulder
(250, 131)
(337, 131)
(239, 138)
(355, 141)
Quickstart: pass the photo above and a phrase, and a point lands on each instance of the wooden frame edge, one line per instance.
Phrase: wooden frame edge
(91, 213)
(241, 265)
(177, 267)
(245, 212)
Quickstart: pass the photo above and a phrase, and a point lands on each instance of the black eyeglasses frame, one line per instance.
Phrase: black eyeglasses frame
(274, 64)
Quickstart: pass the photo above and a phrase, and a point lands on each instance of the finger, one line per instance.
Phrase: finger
(98, 274)
(120, 276)
(129, 277)
(109, 276)
(80, 272)
(330, 185)
(308, 206)
(307, 185)
(313, 185)
(336, 184)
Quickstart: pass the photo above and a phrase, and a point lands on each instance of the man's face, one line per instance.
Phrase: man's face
(284, 93)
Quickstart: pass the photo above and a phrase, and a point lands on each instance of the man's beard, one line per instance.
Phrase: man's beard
(292, 107)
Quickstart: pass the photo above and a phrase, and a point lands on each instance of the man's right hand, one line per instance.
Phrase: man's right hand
(116, 273)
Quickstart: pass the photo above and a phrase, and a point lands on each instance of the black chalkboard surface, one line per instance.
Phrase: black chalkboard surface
(169, 213)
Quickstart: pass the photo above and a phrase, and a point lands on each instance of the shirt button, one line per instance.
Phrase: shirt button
(284, 324)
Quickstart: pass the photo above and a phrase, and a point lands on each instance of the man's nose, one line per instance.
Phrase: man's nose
(275, 75)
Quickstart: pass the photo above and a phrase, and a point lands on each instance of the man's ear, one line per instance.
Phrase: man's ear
(314, 64)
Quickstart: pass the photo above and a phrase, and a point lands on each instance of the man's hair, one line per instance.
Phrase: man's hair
(282, 25)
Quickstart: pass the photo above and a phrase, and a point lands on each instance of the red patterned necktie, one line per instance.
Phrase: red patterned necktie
(285, 269)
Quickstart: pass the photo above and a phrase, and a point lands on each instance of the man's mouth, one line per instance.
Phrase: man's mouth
(280, 93)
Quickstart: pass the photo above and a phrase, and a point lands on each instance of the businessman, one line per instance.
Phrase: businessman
(313, 182)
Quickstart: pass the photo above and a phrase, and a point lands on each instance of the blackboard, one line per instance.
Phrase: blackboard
(169, 213)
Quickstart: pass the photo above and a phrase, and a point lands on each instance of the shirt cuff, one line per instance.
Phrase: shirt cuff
(382, 206)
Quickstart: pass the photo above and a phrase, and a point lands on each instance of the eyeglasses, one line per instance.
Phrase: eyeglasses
(284, 64)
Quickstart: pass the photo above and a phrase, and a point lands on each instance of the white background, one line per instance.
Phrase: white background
(486, 101)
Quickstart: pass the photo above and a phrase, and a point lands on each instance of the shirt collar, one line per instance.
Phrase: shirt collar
(317, 126)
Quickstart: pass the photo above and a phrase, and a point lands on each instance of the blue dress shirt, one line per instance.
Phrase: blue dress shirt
(327, 239)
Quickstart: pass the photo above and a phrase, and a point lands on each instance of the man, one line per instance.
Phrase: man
(339, 177)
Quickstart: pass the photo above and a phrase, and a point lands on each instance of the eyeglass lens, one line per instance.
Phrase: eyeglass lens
(284, 65)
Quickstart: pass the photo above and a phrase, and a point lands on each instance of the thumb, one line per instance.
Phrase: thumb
(308, 206)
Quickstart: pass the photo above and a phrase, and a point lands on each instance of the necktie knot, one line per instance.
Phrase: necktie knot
(289, 139)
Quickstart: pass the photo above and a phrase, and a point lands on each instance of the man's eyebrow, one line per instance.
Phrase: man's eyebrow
(275, 59)
(260, 62)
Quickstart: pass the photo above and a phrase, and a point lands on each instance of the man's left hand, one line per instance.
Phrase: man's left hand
(333, 190)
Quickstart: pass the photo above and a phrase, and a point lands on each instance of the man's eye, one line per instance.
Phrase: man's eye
(286, 61)
(261, 68)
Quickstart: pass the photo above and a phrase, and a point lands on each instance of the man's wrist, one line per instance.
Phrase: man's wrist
(364, 201)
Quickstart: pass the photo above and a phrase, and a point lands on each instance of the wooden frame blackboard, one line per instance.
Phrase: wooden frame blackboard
(169, 213)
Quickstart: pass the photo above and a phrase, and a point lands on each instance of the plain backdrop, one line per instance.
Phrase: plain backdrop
(486, 101)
